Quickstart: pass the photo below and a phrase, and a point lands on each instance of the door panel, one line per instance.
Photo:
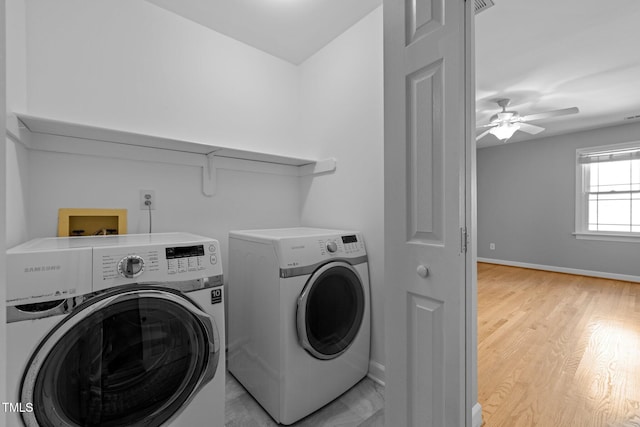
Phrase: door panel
(423, 17)
(426, 337)
(425, 154)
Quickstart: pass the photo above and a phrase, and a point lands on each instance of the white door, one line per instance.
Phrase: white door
(425, 214)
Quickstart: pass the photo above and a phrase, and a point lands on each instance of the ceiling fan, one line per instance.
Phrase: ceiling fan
(504, 124)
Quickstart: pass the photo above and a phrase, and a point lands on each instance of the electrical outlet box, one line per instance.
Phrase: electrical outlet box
(492, 246)
(147, 199)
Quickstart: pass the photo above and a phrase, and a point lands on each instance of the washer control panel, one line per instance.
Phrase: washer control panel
(114, 266)
(181, 259)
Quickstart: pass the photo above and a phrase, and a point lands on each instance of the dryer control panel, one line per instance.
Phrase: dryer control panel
(113, 266)
(346, 245)
(305, 251)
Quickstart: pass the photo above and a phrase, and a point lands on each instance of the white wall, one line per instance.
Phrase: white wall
(526, 204)
(342, 104)
(243, 199)
(17, 181)
(17, 162)
(16, 48)
(13, 166)
(134, 66)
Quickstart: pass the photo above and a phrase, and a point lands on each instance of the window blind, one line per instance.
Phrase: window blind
(610, 156)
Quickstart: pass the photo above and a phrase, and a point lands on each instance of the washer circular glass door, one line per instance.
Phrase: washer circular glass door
(129, 357)
(330, 310)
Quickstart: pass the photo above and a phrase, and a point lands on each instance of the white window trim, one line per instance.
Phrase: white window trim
(581, 207)
(608, 236)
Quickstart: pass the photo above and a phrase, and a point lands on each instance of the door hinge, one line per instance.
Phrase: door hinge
(464, 239)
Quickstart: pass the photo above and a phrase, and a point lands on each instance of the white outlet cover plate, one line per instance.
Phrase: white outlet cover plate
(143, 193)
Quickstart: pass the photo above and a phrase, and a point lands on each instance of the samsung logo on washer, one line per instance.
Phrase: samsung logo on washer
(297, 247)
(42, 268)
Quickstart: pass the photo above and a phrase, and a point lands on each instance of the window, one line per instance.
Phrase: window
(608, 192)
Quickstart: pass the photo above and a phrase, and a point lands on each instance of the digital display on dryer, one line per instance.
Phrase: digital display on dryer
(349, 239)
(184, 251)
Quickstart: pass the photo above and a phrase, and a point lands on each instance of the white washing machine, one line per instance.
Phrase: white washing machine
(116, 331)
(299, 316)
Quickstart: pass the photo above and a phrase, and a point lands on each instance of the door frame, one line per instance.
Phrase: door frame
(3, 205)
(471, 273)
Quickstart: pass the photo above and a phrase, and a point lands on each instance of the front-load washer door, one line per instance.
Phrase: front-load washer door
(133, 356)
(330, 310)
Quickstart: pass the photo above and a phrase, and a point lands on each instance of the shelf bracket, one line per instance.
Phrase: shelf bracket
(17, 131)
(319, 167)
(209, 175)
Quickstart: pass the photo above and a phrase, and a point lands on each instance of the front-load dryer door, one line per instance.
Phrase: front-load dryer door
(330, 310)
(133, 356)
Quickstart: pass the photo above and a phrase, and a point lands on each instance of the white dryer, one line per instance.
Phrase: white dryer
(116, 331)
(299, 316)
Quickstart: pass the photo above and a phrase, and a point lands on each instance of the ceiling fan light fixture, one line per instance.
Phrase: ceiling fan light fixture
(505, 130)
(505, 123)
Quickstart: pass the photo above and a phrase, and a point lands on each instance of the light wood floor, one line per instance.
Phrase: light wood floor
(557, 349)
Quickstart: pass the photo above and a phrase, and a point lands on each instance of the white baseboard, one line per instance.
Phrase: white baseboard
(376, 372)
(476, 415)
(591, 273)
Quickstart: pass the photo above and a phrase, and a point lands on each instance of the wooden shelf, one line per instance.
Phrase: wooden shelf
(45, 134)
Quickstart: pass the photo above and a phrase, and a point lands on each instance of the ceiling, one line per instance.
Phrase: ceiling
(542, 54)
(548, 54)
(292, 30)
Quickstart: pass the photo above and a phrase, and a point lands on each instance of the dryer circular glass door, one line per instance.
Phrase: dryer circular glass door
(330, 310)
(128, 357)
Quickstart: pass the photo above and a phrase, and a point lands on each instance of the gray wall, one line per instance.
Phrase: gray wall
(526, 200)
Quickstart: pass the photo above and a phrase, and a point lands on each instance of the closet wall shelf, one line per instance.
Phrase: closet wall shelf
(45, 134)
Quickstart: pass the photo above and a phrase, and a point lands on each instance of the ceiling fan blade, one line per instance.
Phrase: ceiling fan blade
(547, 114)
(486, 126)
(483, 134)
(532, 129)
